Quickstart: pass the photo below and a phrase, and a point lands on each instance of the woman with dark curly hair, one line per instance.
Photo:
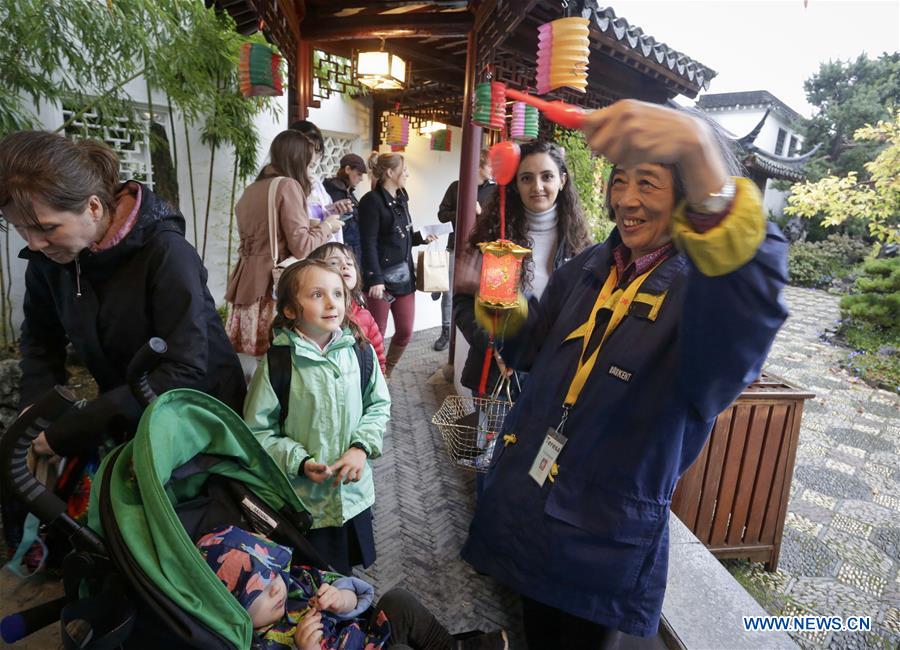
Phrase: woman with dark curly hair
(543, 213)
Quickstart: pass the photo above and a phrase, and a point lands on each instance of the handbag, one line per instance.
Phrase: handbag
(433, 269)
(397, 278)
(277, 267)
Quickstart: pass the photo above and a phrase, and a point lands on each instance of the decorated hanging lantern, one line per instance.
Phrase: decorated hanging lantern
(501, 264)
(563, 49)
(501, 267)
(524, 125)
(440, 140)
(397, 131)
(490, 105)
(259, 71)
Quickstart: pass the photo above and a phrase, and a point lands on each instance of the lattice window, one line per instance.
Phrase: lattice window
(333, 74)
(336, 147)
(129, 137)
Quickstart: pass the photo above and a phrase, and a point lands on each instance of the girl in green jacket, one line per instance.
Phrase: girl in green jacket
(333, 424)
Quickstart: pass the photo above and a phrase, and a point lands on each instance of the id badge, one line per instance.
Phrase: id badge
(547, 455)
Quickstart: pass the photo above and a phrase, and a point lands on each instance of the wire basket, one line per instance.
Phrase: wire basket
(470, 426)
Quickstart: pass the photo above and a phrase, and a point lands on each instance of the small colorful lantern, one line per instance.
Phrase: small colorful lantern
(397, 131)
(501, 268)
(259, 71)
(440, 140)
(524, 125)
(490, 105)
(563, 49)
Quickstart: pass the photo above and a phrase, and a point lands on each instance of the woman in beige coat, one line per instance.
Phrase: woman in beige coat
(250, 288)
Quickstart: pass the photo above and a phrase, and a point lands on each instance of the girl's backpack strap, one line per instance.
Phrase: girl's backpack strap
(279, 361)
(366, 358)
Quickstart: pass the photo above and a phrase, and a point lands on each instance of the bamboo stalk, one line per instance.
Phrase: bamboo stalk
(187, 144)
(8, 307)
(212, 161)
(234, 176)
(4, 332)
(174, 143)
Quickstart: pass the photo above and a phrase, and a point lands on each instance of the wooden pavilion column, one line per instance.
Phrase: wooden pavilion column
(302, 83)
(468, 168)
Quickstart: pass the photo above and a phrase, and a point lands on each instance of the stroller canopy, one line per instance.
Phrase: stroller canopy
(183, 439)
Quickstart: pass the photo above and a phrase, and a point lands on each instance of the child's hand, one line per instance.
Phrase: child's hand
(332, 599)
(309, 631)
(349, 467)
(316, 472)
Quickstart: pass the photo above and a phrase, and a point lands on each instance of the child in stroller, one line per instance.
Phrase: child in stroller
(310, 609)
(193, 466)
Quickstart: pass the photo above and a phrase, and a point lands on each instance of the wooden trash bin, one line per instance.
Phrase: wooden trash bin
(734, 497)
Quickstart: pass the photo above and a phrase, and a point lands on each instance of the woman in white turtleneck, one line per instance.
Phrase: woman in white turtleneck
(543, 213)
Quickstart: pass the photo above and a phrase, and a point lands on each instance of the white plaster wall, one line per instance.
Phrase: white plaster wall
(740, 122)
(774, 200)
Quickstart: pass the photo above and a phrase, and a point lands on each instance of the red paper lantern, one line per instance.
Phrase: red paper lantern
(504, 157)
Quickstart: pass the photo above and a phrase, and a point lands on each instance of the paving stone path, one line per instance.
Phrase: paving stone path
(424, 503)
(841, 548)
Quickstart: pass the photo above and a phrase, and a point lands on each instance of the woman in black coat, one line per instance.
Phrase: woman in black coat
(108, 268)
(387, 238)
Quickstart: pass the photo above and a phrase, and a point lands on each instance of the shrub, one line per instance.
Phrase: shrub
(817, 264)
(590, 174)
(876, 300)
(872, 323)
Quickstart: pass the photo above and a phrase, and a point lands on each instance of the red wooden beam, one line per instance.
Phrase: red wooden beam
(389, 26)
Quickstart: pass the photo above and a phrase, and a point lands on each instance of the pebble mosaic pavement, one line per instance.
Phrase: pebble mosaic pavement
(841, 549)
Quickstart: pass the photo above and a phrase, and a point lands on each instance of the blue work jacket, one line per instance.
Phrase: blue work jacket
(594, 541)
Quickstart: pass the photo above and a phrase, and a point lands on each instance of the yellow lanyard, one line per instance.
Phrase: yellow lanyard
(607, 297)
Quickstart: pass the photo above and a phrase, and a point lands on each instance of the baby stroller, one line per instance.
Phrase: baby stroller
(134, 578)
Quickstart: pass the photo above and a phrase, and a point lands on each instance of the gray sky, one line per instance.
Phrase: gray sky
(769, 45)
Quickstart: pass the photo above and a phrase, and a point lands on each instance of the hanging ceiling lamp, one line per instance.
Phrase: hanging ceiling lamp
(380, 70)
(563, 50)
(430, 126)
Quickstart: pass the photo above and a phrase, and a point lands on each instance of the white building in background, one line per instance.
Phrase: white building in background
(767, 130)
(347, 126)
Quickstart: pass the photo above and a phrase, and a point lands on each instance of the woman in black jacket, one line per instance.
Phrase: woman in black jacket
(108, 268)
(387, 238)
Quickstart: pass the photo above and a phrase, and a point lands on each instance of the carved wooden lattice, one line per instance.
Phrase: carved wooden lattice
(129, 137)
(333, 75)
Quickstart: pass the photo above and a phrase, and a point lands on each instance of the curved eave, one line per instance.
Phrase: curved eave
(681, 72)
